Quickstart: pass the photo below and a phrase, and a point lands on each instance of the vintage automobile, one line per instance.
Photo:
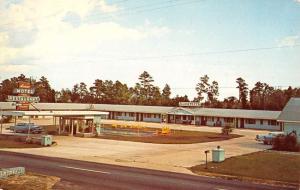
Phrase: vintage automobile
(25, 127)
(268, 138)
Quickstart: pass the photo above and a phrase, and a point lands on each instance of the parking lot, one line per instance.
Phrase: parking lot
(168, 157)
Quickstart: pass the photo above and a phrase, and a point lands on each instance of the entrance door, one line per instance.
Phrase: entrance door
(74, 129)
(242, 123)
(203, 121)
(142, 116)
(137, 116)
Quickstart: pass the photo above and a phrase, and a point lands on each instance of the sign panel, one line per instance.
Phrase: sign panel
(23, 107)
(23, 99)
(22, 96)
(5, 173)
(23, 84)
(190, 104)
(23, 91)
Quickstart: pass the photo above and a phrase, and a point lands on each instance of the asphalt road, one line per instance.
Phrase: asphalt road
(87, 175)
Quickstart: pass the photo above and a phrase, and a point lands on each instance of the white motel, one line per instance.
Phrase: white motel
(238, 118)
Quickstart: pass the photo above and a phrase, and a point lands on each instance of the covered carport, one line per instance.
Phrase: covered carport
(9, 114)
(78, 122)
(69, 122)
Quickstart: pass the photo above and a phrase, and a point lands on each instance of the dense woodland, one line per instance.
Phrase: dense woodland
(261, 97)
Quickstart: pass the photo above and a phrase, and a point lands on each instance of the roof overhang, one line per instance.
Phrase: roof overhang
(180, 111)
(286, 121)
(11, 113)
(61, 113)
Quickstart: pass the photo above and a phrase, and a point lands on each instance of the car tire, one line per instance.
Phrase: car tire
(265, 142)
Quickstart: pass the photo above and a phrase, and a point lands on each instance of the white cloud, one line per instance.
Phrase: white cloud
(289, 40)
(56, 40)
(15, 68)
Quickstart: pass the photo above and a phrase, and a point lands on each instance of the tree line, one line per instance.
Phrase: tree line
(261, 97)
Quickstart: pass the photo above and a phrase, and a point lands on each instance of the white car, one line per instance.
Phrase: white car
(268, 138)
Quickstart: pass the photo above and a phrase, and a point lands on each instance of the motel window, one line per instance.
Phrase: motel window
(271, 122)
(250, 121)
(261, 121)
(148, 115)
(131, 114)
(184, 117)
(119, 113)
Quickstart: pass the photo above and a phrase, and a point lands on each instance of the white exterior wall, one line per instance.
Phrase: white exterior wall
(289, 127)
(151, 118)
(265, 125)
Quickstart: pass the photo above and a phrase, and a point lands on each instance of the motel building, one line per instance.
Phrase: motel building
(290, 117)
(196, 116)
(237, 118)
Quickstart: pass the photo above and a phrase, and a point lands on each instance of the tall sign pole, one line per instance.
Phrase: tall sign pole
(22, 97)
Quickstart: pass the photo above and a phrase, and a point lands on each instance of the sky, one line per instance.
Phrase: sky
(176, 41)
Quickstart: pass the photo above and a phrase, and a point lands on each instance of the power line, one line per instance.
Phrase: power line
(54, 14)
(138, 9)
(212, 52)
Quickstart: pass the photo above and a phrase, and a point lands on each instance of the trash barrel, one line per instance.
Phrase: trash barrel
(46, 140)
(218, 155)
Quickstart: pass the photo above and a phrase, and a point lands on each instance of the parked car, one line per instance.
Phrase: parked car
(268, 138)
(25, 127)
(12, 128)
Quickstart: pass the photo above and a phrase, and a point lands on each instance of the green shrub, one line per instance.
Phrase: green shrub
(286, 143)
(227, 129)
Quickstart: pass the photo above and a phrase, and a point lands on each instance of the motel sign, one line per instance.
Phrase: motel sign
(23, 96)
(189, 104)
(23, 99)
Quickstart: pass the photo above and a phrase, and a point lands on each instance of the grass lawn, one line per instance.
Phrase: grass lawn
(16, 144)
(174, 137)
(273, 165)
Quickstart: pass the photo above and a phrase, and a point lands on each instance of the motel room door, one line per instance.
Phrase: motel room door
(242, 123)
(142, 117)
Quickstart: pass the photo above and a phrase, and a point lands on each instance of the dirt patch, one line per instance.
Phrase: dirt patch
(16, 144)
(30, 181)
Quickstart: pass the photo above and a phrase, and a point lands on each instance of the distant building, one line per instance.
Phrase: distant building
(238, 118)
(290, 116)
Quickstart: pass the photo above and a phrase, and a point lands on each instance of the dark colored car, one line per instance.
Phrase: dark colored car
(25, 127)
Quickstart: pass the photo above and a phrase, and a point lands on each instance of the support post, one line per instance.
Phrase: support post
(28, 127)
(15, 124)
(1, 124)
(72, 124)
(59, 125)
